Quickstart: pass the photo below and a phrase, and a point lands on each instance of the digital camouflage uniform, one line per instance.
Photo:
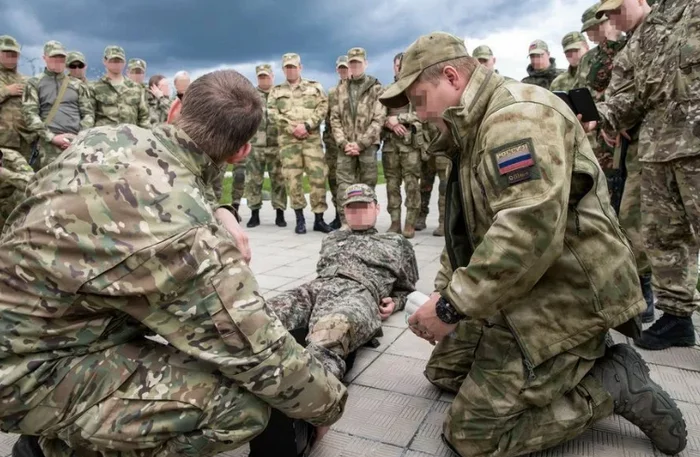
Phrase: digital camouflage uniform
(13, 132)
(288, 106)
(121, 244)
(531, 244)
(158, 108)
(119, 103)
(15, 173)
(357, 117)
(659, 86)
(401, 159)
(75, 112)
(356, 270)
(265, 156)
(568, 80)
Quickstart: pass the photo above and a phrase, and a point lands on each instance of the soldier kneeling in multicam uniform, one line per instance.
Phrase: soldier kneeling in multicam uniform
(363, 277)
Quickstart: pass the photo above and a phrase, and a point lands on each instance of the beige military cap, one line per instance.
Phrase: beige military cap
(607, 5)
(482, 52)
(115, 52)
(537, 47)
(8, 43)
(341, 61)
(54, 48)
(573, 40)
(359, 193)
(589, 18)
(264, 69)
(137, 63)
(357, 55)
(291, 59)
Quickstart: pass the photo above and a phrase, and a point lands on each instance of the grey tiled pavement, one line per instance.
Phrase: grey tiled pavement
(392, 411)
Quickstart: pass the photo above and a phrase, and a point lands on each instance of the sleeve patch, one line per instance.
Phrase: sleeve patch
(515, 163)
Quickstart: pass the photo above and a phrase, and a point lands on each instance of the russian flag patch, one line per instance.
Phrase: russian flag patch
(515, 162)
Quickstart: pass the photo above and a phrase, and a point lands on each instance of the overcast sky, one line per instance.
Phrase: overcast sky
(206, 35)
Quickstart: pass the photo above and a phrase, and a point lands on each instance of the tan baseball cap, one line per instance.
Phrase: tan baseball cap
(537, 47)
(359, 193)
(137, 63)
(341, 61)
(8, 43)
(426, 51)
(482, 52)
(589, 18)
(54, 48)
(357, 55)
(573, 40)
(263, 69)
(608, 5)
(291, 59)
(115, 52)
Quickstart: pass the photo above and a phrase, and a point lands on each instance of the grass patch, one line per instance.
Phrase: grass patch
(228, 183)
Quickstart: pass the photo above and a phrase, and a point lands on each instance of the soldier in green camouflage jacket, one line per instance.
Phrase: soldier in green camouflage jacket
(15, 173)
(575, 47)
(13, 132)
(158, 99)
(118, 100)
(120, 242)
(357, 119)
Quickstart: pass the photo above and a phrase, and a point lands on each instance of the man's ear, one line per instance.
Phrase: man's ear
(240, 154)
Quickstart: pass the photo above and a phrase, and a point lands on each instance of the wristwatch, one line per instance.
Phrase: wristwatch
(446, 312)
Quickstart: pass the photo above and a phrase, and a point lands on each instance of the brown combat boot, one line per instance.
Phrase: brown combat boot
(409, 231)
(395, 227)
(440, 231)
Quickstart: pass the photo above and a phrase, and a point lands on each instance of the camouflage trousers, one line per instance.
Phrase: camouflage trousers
(340, 314)
(670, 194)
(434, 166)
(331, 158)
(402, 162)
(47, 153)
(170, 404)
(631, 209)
(259, 160)
(499, 410)
(356, 169)
(299, 157)
(238, 185)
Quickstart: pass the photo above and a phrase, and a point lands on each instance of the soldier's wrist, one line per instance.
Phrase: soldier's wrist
(446, 312)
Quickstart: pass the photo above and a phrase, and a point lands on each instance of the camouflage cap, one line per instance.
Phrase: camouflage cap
(482, 52)
(137, 63)
(54, 48)
(573, 40)
(589, 18)
(291, 59)
(75, 56)
(264, 69)
(115, 52)
(538, 47)
(426, 51)
(341, 61)
(357, 55)
(607, 5)
(359, 193)
(8, 43)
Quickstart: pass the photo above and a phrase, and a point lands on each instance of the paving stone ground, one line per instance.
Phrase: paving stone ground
(392, 411)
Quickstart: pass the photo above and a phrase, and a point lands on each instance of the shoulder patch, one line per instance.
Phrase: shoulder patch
(515, 163)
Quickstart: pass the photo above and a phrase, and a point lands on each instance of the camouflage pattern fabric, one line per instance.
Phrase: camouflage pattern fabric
(289, 106)
(123, 103)
(356, 270)
(158, 108)
(430, 168)
(543, 78)
(601, 66)
(565, 81)
(123, 244)
(498, 410)
(331, 149)
(238, 185)
(631, 209)
(401, 159)
(656, 81)
(13, 132)
(265, 155)
(15, 173)
(357, 116)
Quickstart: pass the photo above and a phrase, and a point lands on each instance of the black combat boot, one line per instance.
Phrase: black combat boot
(27, 446)
(668, 331)
(625, 375)
(300, 229)
(279, 220)
(320, 226)
(254, 219)
(283, 437)
(336, 223)
(648, 314)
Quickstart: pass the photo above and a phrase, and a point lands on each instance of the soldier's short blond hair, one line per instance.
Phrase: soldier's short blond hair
(221, 112)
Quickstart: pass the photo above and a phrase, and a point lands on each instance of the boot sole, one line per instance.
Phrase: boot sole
(683, 343)
(662, 405)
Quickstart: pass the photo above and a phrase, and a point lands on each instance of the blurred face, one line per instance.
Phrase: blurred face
(181, 85)
(8, 59)
(343, 72)
(292, 73)
(574, 55)
(357, 68)
(77, 70)
(137, 75)
(114, 66)
(430, 99)
(489, 63)
(539, 61)
(397, 67)
(164, 86)
(265, 82)
(56, 64)
(600, 32)
(361, 215)
(627, 16)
